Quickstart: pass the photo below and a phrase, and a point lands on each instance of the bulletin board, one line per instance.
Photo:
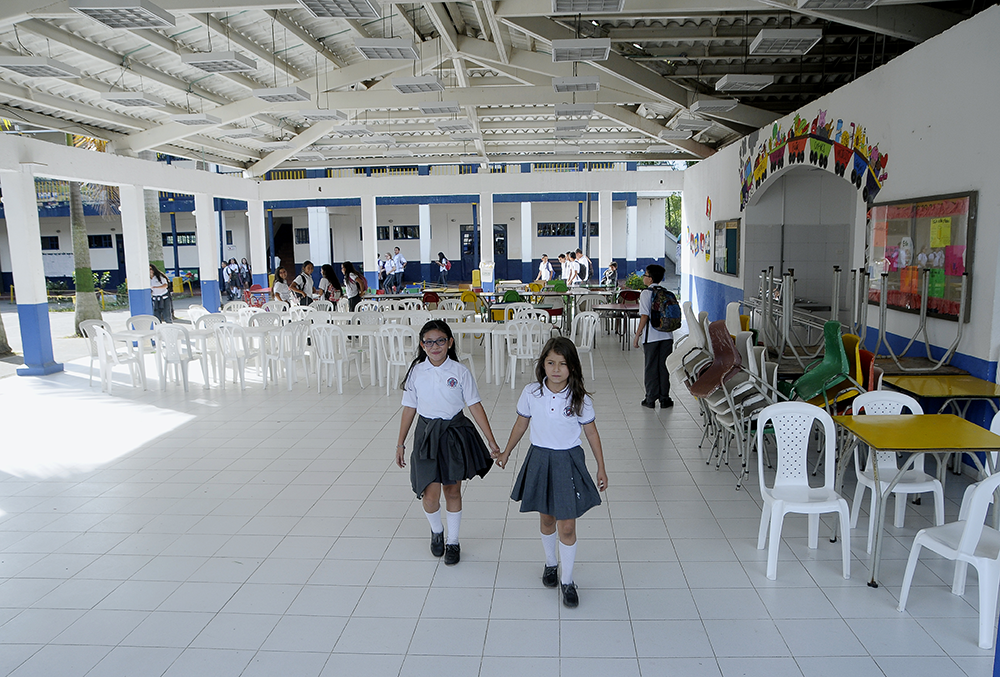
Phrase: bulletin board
(910, 239)
(727, 247)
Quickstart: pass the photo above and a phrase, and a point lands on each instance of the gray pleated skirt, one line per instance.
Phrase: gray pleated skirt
(555, 482)
(447, 452)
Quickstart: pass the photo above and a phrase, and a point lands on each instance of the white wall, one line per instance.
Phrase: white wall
(926, 110)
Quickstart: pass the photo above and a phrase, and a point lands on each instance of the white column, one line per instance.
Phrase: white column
(369, 241)
(133, 211)
(319, 236)
(631, 231)
(527, 239)
(258, 241)
(207, 237)
(427, 270)
(25, 241)
(486, 235)
(605, 230)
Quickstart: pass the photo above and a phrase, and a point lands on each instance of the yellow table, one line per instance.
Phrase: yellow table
(952, 388)
(914, 434)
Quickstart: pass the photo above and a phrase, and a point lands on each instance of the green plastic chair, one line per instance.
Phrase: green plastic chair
(559, 286)
(511, 296)
(829, 372)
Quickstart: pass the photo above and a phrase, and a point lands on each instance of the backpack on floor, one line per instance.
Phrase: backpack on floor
(664, 311)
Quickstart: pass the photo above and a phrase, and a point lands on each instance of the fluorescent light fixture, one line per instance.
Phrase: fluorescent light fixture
(584, 49)
(785, 41)
(323, 114)
(572, 110)
(133, 99)
(440, 108)
(399, 152)
(196, 120)
(714, 105)
(566, 150)
(676, 134)
(220, 62)
(281, 94)
(124, 13)
(586, 6)
(582, 83)
(243, 134)
(836, 4)
(418, 85)
(342, 9)
(309, 156)
(380, 140)
(451, 126)
(691, 125)
(38, 67)
(386, 48)
(276, 145)
(571, 125)
(567, 134)
(661, 148)
(736, 82)
(466, 136)
(353, 130)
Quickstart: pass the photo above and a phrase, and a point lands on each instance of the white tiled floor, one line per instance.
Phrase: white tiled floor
(268, 533)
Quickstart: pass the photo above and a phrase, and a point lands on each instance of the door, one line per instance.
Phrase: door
(500, 253)
(120, 251)
(470, 261)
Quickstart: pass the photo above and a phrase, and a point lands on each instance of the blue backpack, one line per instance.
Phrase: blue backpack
(664, 311)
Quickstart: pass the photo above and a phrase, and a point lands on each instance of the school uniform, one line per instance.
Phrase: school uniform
(544, 271)
(554, 479)
(656, 347)
(446, 446)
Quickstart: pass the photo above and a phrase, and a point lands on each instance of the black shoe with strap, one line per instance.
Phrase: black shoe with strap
(452, 554)
(571, 598)
(550, 576)
(437, 544)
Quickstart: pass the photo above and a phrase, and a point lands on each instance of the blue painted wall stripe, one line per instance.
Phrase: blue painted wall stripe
(36, 339)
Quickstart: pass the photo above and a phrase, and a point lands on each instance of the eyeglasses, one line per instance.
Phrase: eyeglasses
(440, 343)
(647, 275)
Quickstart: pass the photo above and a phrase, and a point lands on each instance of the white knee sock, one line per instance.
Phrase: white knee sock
(454, 524)
(549, 543)
(435, 519)
(567, 556)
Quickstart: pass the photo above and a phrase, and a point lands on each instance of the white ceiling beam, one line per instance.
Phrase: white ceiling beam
(69, 107)
(246, 43)
(470, 96)
(503, 49)
(306, 138)
(915, 23)
(302, 34)
(478, 8)
(445, 28)
(651, 129)
(456, 17)
(199, 154)
(60, 8)
(644, 8)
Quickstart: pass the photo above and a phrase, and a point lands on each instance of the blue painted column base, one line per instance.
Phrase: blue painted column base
(261, 279)
(372, 279)
(140, 302)
(429, 272)
(36, 337)
(528, 273)
(210, 297)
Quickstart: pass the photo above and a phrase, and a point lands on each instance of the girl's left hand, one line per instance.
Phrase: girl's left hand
(602, 480)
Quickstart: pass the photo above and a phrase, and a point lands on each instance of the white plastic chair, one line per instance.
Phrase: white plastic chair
(110, 354)
(463, 354)
(343, 305)
(320, 317)
(398, 345)
(418, 318)
(299, 313)
(584, 335)
(234, 306)
(87, 329)
(194, 312)
(451, 304)
(322, 306)
(233, 348)
(243, 315)
(914, 481)
(408, 304)
(733, 323)
(142, 322)
(369, 306)
(992, 458)
(174, 347)
(524, 342)
(531, 314)
(275, 307)
(285, 349)
(329, 343)
(793, 424)
(966, 542)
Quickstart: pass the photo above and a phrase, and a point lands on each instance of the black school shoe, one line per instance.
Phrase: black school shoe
(666, 403)
(437, 544)
(550, 576)
(570, 597)
(648, 404)
(452, 554)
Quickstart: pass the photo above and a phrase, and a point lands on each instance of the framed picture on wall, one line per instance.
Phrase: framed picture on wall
(922, 241)
(726, 251)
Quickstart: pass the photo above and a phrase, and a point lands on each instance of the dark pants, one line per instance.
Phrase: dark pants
(655, 374)
(353, 302)
(443, 277)
(163, 308)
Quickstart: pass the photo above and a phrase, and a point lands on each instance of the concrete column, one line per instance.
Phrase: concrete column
(258, 241)
(631, 229)
(528, 272)
(605, 230)
(25, 241)
(428, 270)
(207, 237)
(486, 235)
(369, 241)
(320, 243)
(133, 210)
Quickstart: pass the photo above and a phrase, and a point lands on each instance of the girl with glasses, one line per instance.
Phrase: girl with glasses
(446, 447)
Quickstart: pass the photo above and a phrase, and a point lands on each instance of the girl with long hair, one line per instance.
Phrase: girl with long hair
(351, 286)
(329, 284)
(159, 287)
(554, 480)
(446, 447)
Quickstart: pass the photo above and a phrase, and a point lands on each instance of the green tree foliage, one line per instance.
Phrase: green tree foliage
(672, 217)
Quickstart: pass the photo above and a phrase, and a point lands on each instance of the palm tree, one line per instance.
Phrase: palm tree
(154, 228)
(87, 307)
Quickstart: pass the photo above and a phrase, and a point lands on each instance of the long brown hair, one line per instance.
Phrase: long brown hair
(563, 347)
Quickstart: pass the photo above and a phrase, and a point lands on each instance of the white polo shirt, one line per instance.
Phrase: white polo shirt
(553, 425)
(440, 392)
(545, 271)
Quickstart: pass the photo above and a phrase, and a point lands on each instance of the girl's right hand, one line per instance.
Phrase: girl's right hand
(501, 458)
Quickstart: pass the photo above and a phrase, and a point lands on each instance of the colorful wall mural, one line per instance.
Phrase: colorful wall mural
(846, 142)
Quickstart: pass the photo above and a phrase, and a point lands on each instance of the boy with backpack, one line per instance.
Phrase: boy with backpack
(659, 317)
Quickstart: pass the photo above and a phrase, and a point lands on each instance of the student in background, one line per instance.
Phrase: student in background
(657, 345)
(443, 265)
(544, 270)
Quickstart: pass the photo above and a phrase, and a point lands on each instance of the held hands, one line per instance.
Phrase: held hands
(500, 457)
